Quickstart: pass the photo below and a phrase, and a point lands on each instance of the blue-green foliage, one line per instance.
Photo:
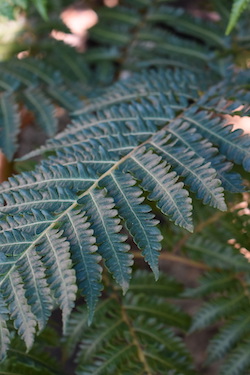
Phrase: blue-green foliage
(138, 217)
(103, 216)
(60, 220)
(127, 37)
(159, 134)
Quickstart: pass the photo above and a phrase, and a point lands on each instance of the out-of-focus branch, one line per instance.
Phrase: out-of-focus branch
(5, 168)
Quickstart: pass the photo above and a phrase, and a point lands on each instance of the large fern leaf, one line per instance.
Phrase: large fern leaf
(60, 220)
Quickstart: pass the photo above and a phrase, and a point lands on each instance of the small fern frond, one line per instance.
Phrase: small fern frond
(210, 33)
(163, 186)
(4, 332)
(39, 360)
(85, 258)
(212, 281)
(199, 176)
(9, 125)
(238, 362)
(33, 274)
(224, 137)
(60, 273)
(19, 309)
(221, 307)
(141, 31)
(42, 108)
(138, 217)
(232, 333)
(102, 215)
(238, 7)
(216, 254)
(226, 289)
(31, 83)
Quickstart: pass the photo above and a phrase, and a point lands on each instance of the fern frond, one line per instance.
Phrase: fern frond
(18, 307)
(9, 125)
(38, 294)
(176, 86)
(102, 215)
(171, 198)
(85, 258)
(224, 138)
(199, 176)
(61, 275)
(137, 216)
(212, 281)
(210, 33)
(210, 312)
(216, 254)
(142, 31)
(31, 83)
(37, 199)
(39, 360)
(226, 288)
(4, 332)
(238, 7)
(122, 338)
(43, 110)
(91, 180)
(238, 362)
(75, 330)
(231, 334)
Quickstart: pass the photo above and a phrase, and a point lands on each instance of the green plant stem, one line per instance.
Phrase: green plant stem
(136, 342)
(179, 259)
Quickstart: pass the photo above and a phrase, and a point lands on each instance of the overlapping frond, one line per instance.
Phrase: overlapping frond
(122, 338)
(153, 137)
(34, 85)
(226, 289)
(38, 361)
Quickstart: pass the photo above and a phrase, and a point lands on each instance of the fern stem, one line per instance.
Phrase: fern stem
(179, 259)
(136, 342)
(5, 168)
